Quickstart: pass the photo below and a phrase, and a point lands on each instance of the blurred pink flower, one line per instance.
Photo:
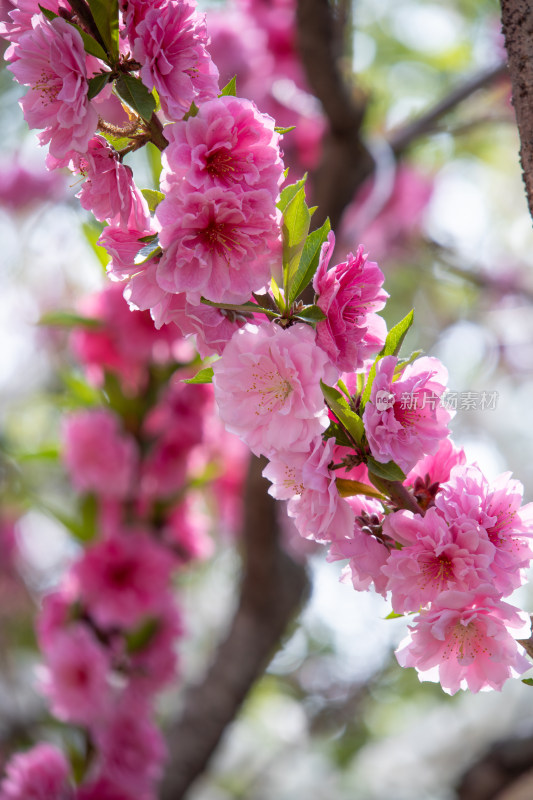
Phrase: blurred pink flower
(124, 579)
(267, 386)
(98, 455)
(42, 773)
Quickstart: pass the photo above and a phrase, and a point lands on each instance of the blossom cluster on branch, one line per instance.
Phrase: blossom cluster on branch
(357, 437)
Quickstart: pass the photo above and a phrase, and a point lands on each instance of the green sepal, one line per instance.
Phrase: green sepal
(348, 418)
(105, 15)
(205, 375)
(133, 91)
(308, 262)
(389, 471)
(230, 89)
(349, 488)
(97, 83)
(152, 197)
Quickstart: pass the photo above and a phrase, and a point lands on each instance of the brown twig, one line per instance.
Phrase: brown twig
(273, 588)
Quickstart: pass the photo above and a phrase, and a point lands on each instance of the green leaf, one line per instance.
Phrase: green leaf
(81, 392)
(288, 193)
(310, 314)
(153, 155)
(278, 297)
(204, 376)
(138, 639)
(91, 46)
(105, 15)
(348, 418)
(230, 89)
(97, 83)
(192, 112)
(242, 308)
(68, 319)
(295, 227)
(93, 231)
(393, 615)
(152, 197)
(389, 471)
(349, 488)
(133, 91)
(337, 432)
(368, 386)
(308, 263)
(396, 335)
(146, 253)
(528, 681)
(285, 130)
(47, 13)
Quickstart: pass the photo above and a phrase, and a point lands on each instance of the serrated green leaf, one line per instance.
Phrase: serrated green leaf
(96, 84)
(47, 13)
(133, 91)
(105, 15)
(335, 431)
(311, 314)
(281, 131)
(348, 418)
(90, 45)
(308, 262)
(230, 89)
(205, 375)
(295, 227)
(389, 471)
(403, 362)
(349, 488)
(152, 197)
(288, 193)
(68, 319)
(396, 335)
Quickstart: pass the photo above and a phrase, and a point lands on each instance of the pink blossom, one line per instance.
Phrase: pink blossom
(123, 246)
(436, 557)
(267, 386)
(124, 579)
(99, 456)
(17, 19)
(154, 665)
(22, 188)
(466, 637)
(227, 144)
(364, 545)
(186, 533)
(42, 773)
(131, 750)
(109, 190)
(217, 243)
(349, 294)
(75, 676)
(431, 471)
(50, 59)
(495, 509)
(318, 510)
(170, 43)
(404, 420)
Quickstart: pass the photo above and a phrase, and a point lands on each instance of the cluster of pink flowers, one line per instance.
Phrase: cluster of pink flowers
(357, 439)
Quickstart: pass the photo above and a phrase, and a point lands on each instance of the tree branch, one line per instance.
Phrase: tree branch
(273, 588)
(517, 20)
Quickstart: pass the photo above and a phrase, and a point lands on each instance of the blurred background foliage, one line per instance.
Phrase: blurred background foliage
(334, 716)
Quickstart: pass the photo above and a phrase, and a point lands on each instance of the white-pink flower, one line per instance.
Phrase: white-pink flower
(50, 59)
(349, 294)
(465, 637)
(267, 386)
(404, 419)
(99, 456)
(170, 43)
(229, 144)
(318, 511)
(217, 243)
